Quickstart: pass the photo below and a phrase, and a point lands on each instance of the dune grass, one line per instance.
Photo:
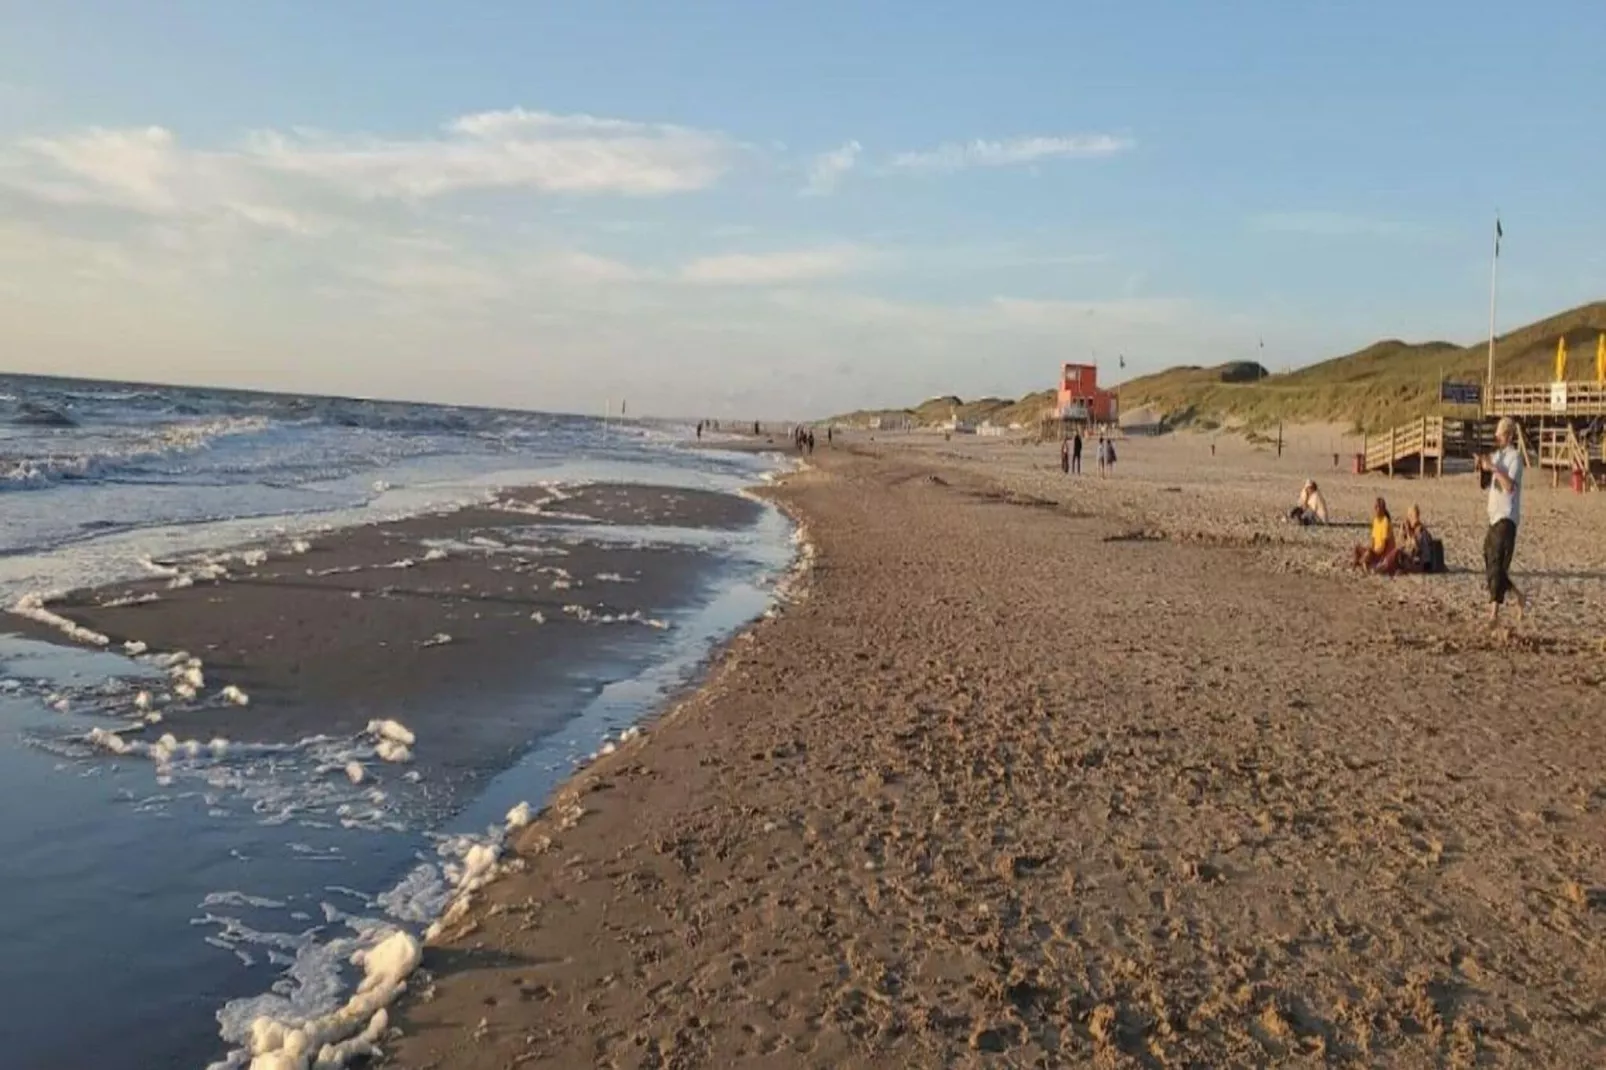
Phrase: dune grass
(1385, 384)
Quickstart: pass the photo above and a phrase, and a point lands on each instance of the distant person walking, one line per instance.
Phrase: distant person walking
(699, 430)
(1065, 456)
(1501, 472)
(1076, 452)
(1104, 455)
(811, 442)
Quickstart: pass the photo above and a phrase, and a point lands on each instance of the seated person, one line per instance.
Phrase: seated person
(1412, 547)
(1419, 551)
(1372, 555)
(1312, 507)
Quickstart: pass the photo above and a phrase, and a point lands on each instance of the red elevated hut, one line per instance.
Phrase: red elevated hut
(1080, 399)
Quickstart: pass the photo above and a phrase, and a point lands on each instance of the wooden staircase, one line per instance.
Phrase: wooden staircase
(1562, 450)
(1416, 447)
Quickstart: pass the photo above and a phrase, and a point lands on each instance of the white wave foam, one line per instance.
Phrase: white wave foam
(158, 442)
(302, 1023)
(32, 607)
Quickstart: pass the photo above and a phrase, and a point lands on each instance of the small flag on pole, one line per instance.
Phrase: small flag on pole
(1123, 360)
(1499, 233)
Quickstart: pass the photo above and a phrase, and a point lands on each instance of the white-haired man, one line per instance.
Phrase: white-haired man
(1504, 467)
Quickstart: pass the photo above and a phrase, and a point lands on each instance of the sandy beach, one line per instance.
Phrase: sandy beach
(1054, 772)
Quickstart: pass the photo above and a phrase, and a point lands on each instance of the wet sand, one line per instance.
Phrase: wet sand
(350, 627)
(1012, 787)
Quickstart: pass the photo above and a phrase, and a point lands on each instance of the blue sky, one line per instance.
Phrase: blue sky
(733, 208)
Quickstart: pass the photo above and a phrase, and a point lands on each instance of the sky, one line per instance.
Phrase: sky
(733, 209)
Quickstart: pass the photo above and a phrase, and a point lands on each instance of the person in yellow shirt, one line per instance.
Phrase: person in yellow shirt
(1371, 555)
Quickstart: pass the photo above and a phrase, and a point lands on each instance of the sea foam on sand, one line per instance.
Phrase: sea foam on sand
(335, 1039)
(327, 1041)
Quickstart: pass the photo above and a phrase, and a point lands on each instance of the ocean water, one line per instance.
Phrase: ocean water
(153, 908)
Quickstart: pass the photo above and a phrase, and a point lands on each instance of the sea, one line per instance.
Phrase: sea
(151, 910)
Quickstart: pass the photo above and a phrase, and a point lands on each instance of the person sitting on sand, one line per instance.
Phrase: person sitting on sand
(1312, 507)
(1415, 553)
(1413, 547)
(1371, 556)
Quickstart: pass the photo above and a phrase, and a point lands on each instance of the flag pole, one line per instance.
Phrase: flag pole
(1494, 282)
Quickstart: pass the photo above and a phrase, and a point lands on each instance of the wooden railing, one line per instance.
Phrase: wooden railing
(1561, 449)
(1582, 398)
(1422, 439)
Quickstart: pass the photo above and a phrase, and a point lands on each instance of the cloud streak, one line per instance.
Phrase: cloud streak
(274, 178)
(960, 156)
(512, 149)
(828, 168)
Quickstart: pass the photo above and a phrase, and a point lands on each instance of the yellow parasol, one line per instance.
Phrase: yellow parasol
(1561, 359)
(1600, 358)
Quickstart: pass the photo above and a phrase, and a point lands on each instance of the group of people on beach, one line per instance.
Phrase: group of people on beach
(1071, 454)
(803, 439)
(1412, 548)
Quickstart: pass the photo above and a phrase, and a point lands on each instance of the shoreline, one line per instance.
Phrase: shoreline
(878, 835)
(545, 615)
(402, 619)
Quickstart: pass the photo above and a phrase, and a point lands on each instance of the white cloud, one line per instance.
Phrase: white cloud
(1330, 225)
(300, 181)
(771, 269)
(956, 156)
(514, 149)
(828, 168)
(145, 170)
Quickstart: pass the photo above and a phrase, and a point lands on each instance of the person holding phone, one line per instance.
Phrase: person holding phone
(1501, 472)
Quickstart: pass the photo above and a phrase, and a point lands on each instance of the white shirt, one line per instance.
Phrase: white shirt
(1503, 505)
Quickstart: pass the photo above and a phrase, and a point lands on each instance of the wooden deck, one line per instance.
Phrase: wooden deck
(1560, 400)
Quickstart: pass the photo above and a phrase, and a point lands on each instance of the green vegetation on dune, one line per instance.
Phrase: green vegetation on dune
(1000, 411)
(1385, 384)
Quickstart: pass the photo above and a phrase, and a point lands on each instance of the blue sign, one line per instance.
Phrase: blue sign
(1461, 393)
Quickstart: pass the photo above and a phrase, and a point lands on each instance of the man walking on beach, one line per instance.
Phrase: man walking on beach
(1065, 456)
(1076, 452)
(1504, 471)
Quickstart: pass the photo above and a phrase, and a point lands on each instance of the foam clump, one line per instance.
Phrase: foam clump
(438, 639)
(393, 740)
(32, 606)
(235, 695)
(142, 701)
(108, 740)
(355, 772)
(300, 546)
(519, 816)
(134, 648)
(346, 1034)
(392, 730)
(436, 554)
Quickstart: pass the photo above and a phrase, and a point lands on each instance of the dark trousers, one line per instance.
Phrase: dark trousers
(1076, 461)
(1498, 546)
